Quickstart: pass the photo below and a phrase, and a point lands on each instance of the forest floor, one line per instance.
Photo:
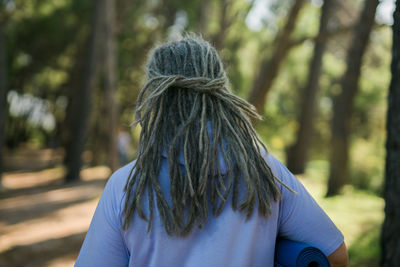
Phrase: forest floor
(43, 221)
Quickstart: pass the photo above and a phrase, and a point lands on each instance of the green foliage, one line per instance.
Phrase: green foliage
(366, 250)
(44, 40)
(358, 214)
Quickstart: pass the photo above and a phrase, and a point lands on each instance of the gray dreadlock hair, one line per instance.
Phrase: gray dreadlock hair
(186, 94)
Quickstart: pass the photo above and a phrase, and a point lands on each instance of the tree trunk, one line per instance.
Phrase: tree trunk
(343, 102)
(234, 43)
(3, 94)
(82, 111)
(203, 19)
(269, 68)
(297, 154)
(72, 90)
(390, 238)
(225, 22)
(110, 85)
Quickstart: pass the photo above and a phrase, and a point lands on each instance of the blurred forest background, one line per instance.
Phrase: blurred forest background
(70, 71)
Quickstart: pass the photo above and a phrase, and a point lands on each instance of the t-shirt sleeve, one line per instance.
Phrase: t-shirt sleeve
(104, 244)
(300, 217)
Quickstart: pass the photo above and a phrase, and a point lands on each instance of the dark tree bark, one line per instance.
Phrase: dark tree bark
(3, 94)
(297, 154)
(110, 85)
(343, 102)
(203, 19)
(82, 110)
(72, 89)
(168, 11)
(225, 22)
(269, 68)
(236, 39)
(390, 238)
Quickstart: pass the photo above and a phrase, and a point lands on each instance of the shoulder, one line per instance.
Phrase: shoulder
(115, 187)
(273, 163)
(287, 182)
(278, 168)
(119, 178)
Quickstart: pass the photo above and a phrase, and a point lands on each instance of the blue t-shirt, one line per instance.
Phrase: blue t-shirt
(226, 240)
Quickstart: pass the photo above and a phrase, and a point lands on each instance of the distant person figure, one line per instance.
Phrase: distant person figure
(124, 144)
(204, 190)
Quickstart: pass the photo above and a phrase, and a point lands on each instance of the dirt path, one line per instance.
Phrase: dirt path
(42, 221)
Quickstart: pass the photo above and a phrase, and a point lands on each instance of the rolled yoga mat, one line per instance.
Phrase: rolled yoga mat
(295, 254)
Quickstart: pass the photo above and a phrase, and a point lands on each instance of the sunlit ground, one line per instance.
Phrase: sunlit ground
(42, 222)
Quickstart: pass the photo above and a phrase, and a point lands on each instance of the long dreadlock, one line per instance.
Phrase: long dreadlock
(185, 96)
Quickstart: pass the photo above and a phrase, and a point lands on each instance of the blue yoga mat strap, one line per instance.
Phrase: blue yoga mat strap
(296, 254)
